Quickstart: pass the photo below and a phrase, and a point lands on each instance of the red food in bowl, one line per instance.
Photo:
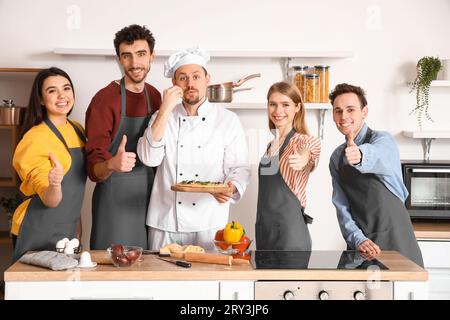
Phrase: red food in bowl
(242, 245)
(133, 255)
(219, 235)
(124, 256)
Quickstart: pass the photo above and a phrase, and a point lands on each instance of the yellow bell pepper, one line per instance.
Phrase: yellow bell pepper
(233, 232)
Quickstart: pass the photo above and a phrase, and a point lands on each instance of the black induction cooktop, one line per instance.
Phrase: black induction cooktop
(312, 260)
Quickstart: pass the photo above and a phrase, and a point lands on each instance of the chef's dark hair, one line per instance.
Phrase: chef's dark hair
(132, 33)
(348, 88)
(36, 112)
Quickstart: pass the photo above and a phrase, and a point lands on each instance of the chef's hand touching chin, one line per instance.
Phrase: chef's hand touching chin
(170, 99)
(225, 196)
(369, 249)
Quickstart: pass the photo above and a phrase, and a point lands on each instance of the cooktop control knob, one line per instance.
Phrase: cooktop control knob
(323, 295)
(358, 295)
(288, 295)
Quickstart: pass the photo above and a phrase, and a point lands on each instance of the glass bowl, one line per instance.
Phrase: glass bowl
(124, 256)
(233, 248)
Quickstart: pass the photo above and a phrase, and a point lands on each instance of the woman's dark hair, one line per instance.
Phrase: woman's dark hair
(132, 33)
(35, 113)
(348, 88)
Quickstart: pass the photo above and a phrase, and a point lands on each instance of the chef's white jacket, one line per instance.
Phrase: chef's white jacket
(209, 147)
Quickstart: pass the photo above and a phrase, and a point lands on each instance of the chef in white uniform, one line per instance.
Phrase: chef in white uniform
(192, 140)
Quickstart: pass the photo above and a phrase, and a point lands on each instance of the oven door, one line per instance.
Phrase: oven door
(429, 191)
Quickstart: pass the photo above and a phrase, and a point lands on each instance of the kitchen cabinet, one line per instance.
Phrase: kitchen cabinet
(133, 290)
(436, 257)
(155, 279)
(9, 135)
(237, 290)
(72, 289)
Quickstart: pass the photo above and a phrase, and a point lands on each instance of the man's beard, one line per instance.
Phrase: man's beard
(192, 100)
(137, 80)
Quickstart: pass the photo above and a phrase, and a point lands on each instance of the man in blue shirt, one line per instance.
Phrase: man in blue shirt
(368, 189)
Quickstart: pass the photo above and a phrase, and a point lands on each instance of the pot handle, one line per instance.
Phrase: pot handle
(242, 89)
(237, 84)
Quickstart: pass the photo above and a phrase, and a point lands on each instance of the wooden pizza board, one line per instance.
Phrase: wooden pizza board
(202, 189)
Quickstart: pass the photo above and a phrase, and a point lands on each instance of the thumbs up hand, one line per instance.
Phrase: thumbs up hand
(123, 161)
(299, 159)
(352, 152)
(56, 174)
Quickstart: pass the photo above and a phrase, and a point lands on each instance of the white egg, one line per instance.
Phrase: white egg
(60, 244)
(75, 243)
(70, 245)
(85, 258)
(65, 240)
(68, 250)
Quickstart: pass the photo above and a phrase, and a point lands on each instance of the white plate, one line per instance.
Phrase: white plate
(94, 264)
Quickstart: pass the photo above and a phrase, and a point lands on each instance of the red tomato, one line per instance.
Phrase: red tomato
(223, 245)
(219, 235)
(243, 244)
(246, 256)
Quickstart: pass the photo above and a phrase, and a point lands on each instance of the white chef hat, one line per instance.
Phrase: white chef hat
(193, 55)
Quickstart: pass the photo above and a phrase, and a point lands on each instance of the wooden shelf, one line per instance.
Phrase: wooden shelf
(263, 106)
(427, 137)
(20, 69)
(12, 180)
(322, 107)
(440, 83)
(427, 134)
(217, 53)
(7, 182)
(435, 83)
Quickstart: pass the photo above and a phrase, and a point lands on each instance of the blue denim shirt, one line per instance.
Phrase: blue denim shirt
(381, 157)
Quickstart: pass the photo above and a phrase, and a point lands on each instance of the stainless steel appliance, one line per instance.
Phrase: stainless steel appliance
(323, 290)
(428, 184)
(319, 290)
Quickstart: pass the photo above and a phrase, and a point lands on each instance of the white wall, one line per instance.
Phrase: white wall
(387, 38)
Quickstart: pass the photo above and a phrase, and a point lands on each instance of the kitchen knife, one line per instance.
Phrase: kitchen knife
(155, 252)
(180, 263)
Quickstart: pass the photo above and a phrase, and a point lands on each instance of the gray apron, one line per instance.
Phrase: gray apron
(381, 215)
(119, 204)
(280, 218)
(42, 226)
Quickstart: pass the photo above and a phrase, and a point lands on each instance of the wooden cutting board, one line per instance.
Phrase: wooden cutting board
(202, 189)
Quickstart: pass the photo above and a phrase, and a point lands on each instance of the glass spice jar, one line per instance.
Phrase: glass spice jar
(312, 88)
(323, 72)
(298, 78)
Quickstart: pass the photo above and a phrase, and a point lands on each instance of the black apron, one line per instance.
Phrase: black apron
(280, 218)
(42, 226)
(380, 214)
(119, 204)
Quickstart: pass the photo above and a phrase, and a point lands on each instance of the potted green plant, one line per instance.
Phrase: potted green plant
(427, 69)
(10, 205)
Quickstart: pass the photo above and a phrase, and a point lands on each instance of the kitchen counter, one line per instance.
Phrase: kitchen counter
(153, 269)
(432, 230)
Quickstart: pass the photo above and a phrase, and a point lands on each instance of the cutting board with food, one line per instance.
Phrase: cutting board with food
(201, 186)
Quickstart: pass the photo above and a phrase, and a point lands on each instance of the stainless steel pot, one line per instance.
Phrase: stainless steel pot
(224, 92)
(11, 116)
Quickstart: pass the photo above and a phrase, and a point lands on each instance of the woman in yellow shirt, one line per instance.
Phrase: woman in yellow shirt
(49, 160)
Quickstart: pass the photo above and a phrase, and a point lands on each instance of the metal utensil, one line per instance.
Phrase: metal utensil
(224, 92)
(145, 252)
(180, 263)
